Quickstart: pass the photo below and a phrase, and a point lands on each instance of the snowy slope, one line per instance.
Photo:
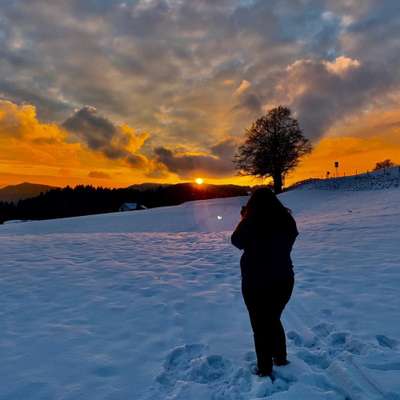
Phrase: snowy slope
(195, 216)
(388, 178)
(147, 305)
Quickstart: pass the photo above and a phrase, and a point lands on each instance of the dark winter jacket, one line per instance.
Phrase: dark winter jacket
(267, 246)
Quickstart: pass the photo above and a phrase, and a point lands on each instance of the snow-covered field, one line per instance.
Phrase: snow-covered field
(147, 305)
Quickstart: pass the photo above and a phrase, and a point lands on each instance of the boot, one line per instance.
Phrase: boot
(280, 362)
(261, 373)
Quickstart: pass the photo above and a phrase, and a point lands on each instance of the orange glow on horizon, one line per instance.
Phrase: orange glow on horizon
(355, 155)
(32, 151)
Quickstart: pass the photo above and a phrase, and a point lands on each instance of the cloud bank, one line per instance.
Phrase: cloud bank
(195, 74)
(100, 134)
(216, 163)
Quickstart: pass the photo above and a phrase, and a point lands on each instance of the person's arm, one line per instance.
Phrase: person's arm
(293, 232)
(242, 235)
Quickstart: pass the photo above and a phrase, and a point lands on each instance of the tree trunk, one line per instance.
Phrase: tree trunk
(277, 183)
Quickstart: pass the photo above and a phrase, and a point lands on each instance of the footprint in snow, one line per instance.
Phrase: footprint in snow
(319, 360)
(338, 338)
(343, 341)
(267, 388)
(234, 387)
(355, 346)
(323, 329)
(385, 341)
(209, 369)
(295, 338)
(188, 363)
(180, 357)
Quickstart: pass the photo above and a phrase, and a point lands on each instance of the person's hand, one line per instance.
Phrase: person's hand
(243, 211)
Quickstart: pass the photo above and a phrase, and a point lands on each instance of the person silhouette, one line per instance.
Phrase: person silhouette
(266, 233)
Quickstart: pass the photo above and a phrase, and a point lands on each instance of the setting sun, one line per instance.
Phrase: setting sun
(199, 181)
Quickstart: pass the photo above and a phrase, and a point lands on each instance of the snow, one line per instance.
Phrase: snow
(147, 305)
(386, 178)
(14, 221)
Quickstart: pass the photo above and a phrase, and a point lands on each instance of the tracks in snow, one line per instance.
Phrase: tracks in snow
(325, 348)
(325, 364)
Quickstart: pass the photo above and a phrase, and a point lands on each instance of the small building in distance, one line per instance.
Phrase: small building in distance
(132, 207)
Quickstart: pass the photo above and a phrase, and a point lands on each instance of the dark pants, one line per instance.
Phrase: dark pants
(265, 305)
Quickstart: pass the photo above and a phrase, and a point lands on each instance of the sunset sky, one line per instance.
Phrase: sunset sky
(111, 93)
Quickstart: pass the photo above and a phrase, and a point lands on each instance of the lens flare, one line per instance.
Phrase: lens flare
(199, 181)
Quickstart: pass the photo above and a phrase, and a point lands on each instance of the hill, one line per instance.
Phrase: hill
(148, 186)
(22, 191)
(376, 180)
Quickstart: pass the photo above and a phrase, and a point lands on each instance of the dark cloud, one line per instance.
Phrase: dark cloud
(218, 163)
(95, 130)
(250, 102)
(331, 91)
(225, 149)
(100, 134)
(51, 107)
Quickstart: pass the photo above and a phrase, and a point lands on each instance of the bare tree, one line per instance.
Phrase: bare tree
(273, 146)
(384, 164)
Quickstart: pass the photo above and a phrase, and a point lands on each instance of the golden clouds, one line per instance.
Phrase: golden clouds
(31, 150)
(26, 141)
(135, 140)
(20, 122)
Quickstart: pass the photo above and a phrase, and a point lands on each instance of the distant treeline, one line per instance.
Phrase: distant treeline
(85, 200)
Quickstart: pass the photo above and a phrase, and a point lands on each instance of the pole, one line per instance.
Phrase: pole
(336, 164)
